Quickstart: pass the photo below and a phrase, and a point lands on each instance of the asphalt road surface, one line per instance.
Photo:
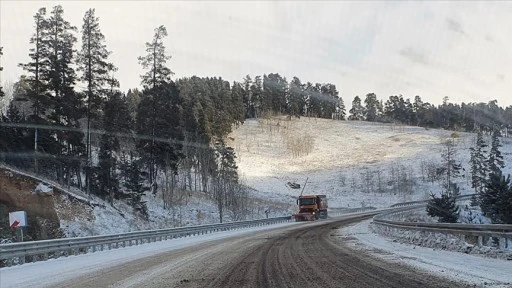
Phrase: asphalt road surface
(304, 255)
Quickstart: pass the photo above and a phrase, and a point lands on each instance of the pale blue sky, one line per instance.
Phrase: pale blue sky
(431, 49)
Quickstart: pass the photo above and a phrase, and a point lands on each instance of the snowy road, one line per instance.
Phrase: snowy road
(287, 255)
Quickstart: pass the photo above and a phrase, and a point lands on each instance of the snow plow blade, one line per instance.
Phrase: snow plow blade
(304, 217)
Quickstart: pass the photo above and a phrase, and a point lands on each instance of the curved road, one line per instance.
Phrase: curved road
(298, 256)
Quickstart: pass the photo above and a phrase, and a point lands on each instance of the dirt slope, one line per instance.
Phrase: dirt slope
(44, 210)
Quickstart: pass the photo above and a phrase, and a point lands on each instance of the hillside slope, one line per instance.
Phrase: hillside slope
(354, 163)
(55, 214)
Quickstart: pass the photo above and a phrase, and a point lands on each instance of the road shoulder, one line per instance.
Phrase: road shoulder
(475, 270)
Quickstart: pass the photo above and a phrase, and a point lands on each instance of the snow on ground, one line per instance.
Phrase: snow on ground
(448, 242)
(458, 266)
(41, 187)
(48, 273)
(471, 215)
(347, 160)
(79, 220)
(98, 220)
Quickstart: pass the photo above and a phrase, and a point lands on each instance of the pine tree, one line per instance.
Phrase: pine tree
(444, 207)
(116, 119)
(496, 200)
(93, 62)
(398, 109)
(247, 97)
(14, 139)
(257, 96)
(226, 177)
(39, 65)
(38, 93)
(419, 110)
(160, 101)
(478, 164)
(357, 110)
(159, 123)
(237, 103)
(222, 120)
(495, 162)
(155, 61)
(372, 107)
(135, 187)
(328, 101)
(274, 93)
(340, 110)
(295, 97)
(133, 99)
(67, 106)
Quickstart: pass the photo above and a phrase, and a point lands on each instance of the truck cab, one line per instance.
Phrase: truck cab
(311, 207)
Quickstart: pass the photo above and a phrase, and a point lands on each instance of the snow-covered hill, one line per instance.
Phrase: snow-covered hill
(354, 163)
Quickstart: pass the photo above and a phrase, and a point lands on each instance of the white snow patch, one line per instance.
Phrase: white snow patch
(41, 187)
(461, 267)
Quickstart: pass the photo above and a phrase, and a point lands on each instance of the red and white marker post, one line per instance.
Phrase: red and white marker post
(18, 220)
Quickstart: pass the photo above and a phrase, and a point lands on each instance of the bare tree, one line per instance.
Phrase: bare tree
(367, 180)
(380, 181)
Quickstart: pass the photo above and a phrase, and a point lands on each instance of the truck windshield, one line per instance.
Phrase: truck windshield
(307, 201)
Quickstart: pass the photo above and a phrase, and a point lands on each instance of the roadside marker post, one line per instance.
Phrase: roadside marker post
(18, 220)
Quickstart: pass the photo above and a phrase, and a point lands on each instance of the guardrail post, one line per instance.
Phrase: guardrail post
(480, 241)
(502, 242)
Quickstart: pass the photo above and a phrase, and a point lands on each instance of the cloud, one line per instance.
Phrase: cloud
(454, 26)
(414, 56)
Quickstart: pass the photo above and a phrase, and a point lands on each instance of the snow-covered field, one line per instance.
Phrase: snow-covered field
(483, 272)
(347, 159)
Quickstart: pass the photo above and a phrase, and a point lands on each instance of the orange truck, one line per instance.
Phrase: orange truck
(311, 207)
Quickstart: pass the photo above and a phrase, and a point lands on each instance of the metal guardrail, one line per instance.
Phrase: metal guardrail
(46, 249)
(481, 232)
(412, 203)
(345, 211)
